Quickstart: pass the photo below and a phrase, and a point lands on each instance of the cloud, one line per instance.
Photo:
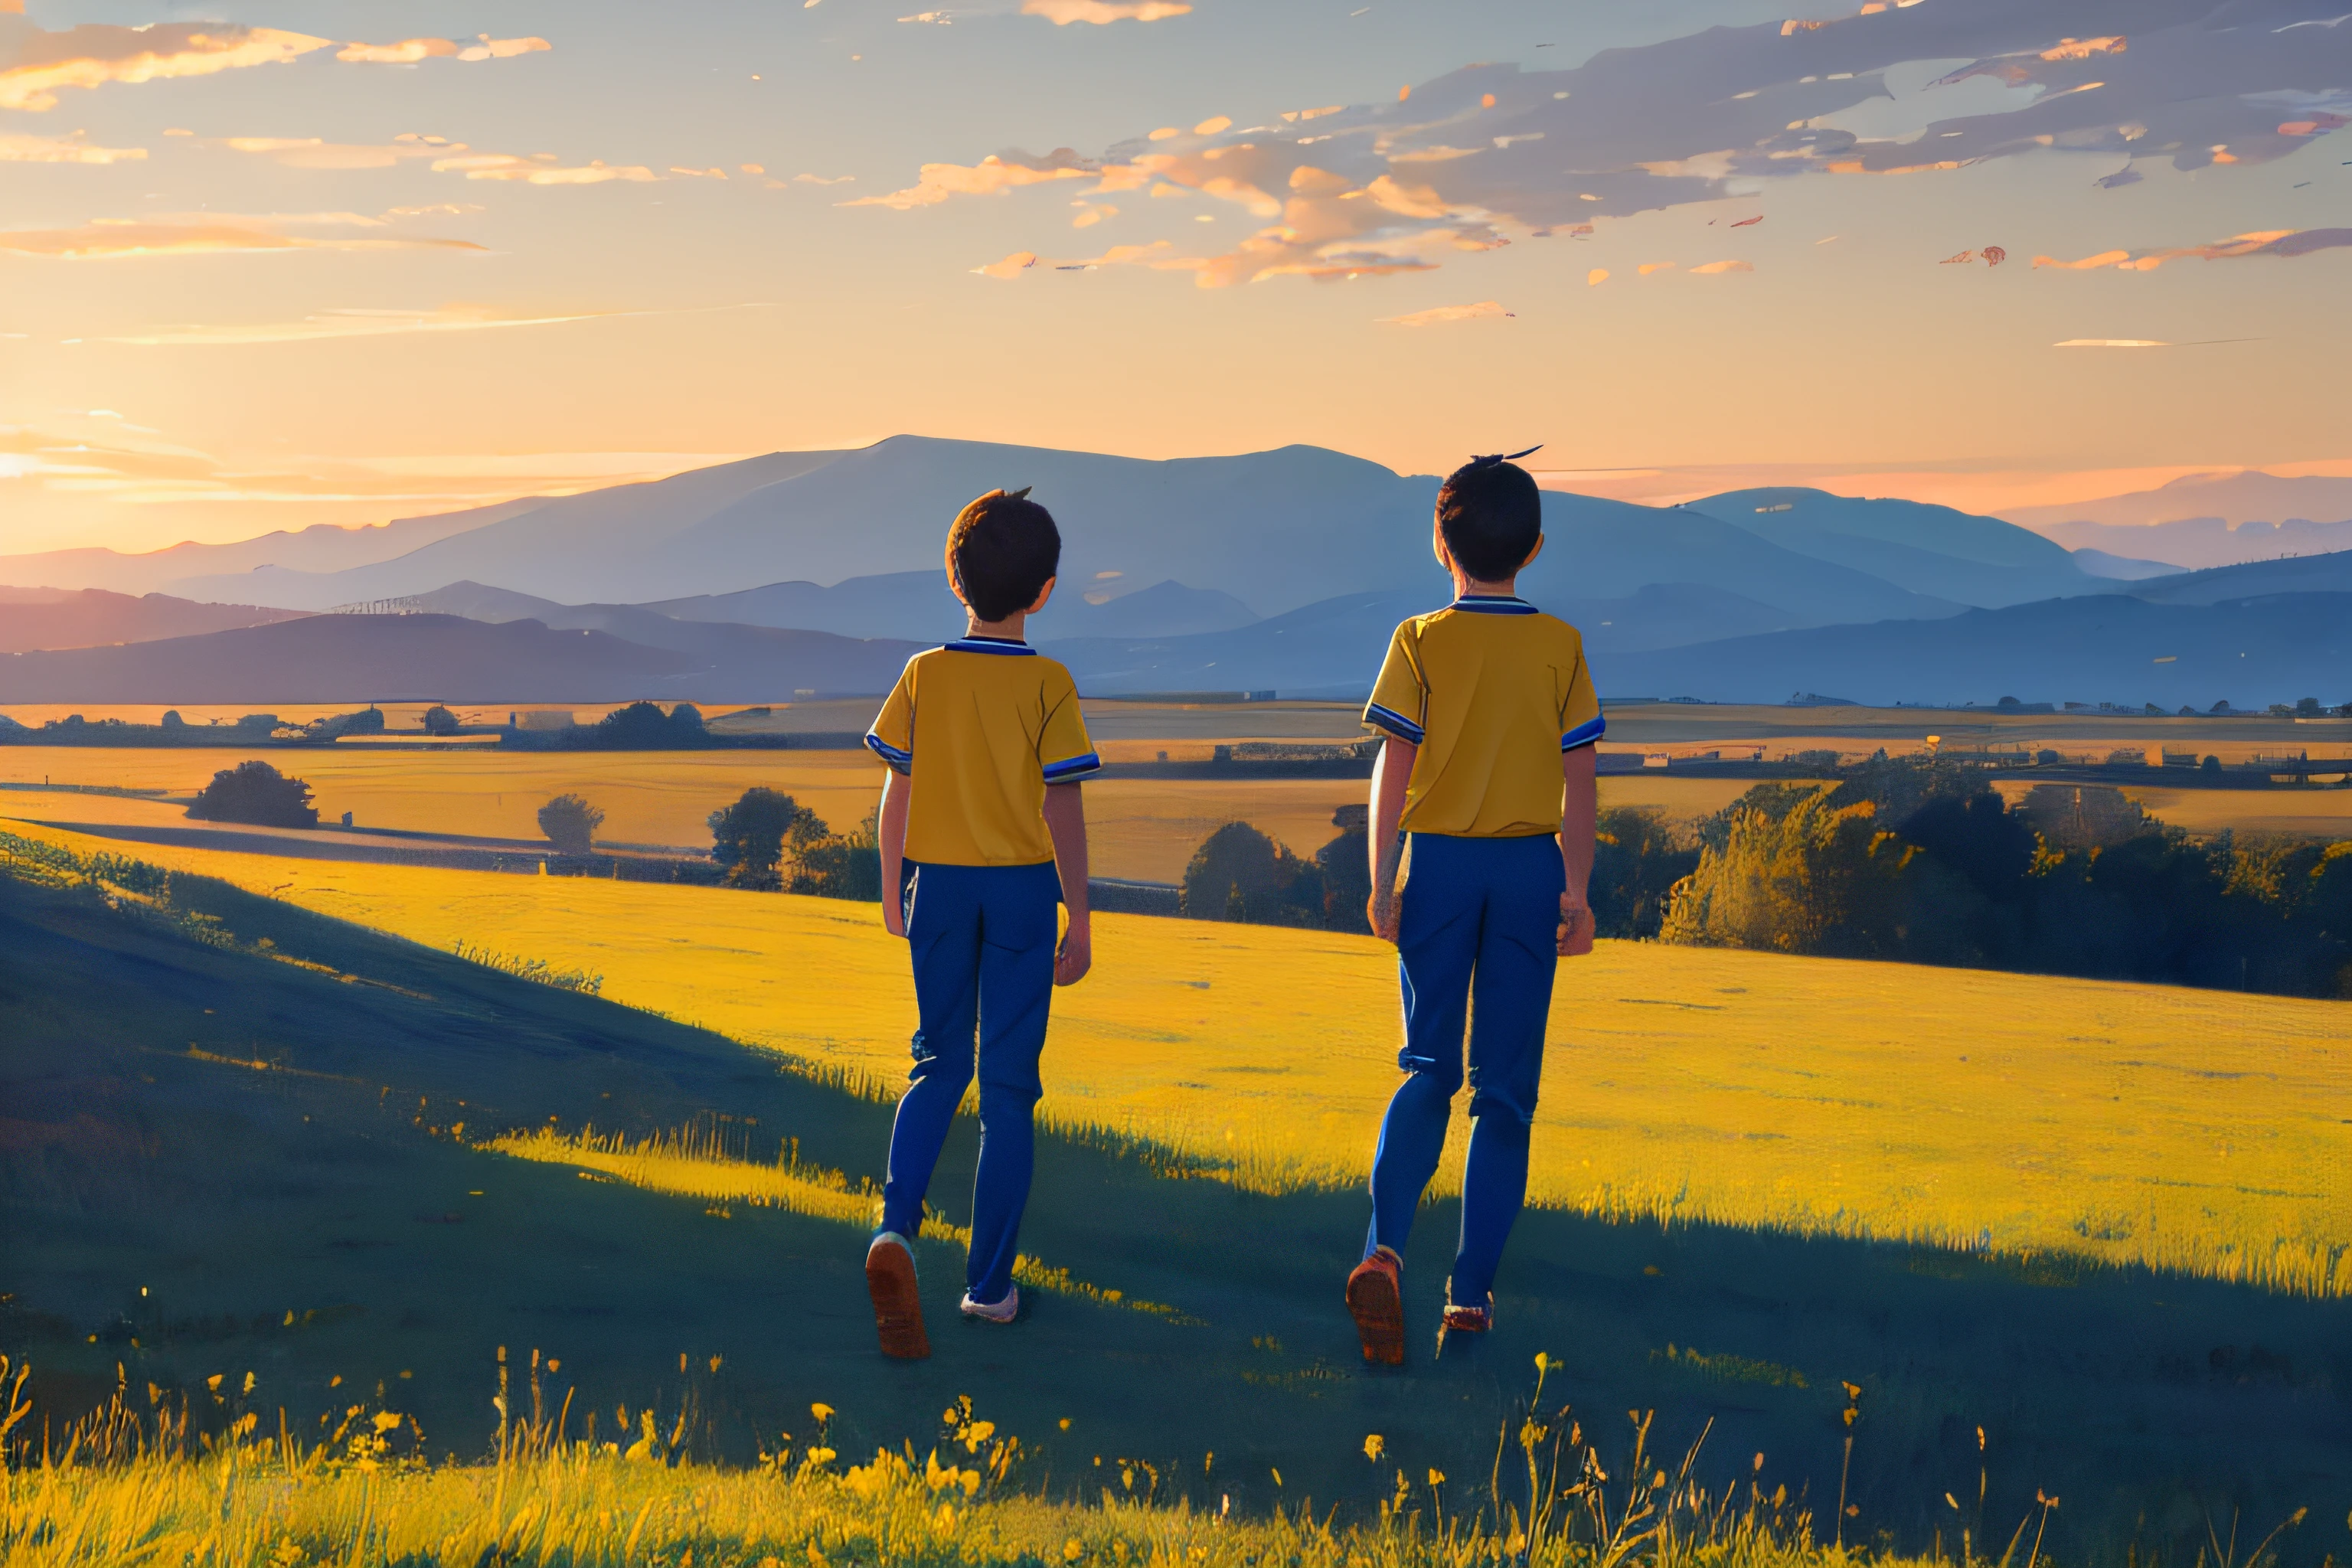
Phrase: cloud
(316, 153)
(1493, 154)
(114, 238)
(1013, 266)
(63, 150)
(997, 173)
(2266, 242)
(537, 171)
(371, 324)
(1723, 266)
(39, 63)
(1484, 310)
(1061, 12)
(408, 51)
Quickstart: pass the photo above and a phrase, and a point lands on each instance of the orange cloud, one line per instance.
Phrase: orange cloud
(1484, 309)
(96, 53)
(2264, 242)
(63, 150)
(990, 177)
(107, 241)
(408, 51)
(1061, 12)
(363, 324)
(1724, 267)
(1597, 277)
(1013, 266)
(314, 152)
(538, 172)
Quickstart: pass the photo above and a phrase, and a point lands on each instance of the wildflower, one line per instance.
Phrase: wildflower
(1436, 1477)
(822, 1412)
(1375, 1446)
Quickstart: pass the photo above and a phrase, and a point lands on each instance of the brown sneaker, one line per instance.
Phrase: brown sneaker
(1464, 1320)
(898, 1308)
(1379, 1310)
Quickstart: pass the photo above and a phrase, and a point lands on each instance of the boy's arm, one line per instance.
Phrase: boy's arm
(1066, 820)
(1391, 772)
(890, 833)
(1580, 805)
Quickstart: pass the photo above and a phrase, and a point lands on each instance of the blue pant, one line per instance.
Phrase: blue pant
(1477, 933)
(983, 939)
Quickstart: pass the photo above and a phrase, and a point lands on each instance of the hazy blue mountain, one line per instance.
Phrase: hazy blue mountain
(2330, 574)
(1603, 549)
(1334, 649)
(2198, 543)
(356, 659)
(2123, 568)
(573, 549)
(1931, 549)
(2238, 497)
(208, 572)
(86, 617)
(1271, 531)
(918, 605)
(2108, 648)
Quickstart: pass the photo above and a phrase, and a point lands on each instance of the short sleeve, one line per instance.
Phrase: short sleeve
(1580, 723)
(892, 736)
(1399, 703)
(1065, 753)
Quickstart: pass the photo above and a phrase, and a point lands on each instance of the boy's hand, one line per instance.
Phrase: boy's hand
(1075, 955)
(1382, 915)
(894, 917)
(1575, 926)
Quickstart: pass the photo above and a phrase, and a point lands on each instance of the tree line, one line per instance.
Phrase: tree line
(1914, 859)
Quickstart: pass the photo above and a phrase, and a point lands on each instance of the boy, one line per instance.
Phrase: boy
(970, 851)
(1488, 721)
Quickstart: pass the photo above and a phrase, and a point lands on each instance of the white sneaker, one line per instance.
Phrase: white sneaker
(1003, 1312)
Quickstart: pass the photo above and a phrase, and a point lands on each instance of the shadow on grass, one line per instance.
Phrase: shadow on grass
(222, 1159)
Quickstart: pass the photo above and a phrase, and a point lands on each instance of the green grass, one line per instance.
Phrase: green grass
(242, 1138)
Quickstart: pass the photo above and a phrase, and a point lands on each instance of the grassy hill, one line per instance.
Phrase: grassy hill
(295, 1137)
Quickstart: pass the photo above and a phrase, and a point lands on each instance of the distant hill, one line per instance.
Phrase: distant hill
(1931, 549)
(89, 618)
(337, 658)
(539, 546)
(1271, 532)
(918, 605)
(2122, 568)
(2206, 520)
(218, 572)
(2330, 574)
(2107, 648)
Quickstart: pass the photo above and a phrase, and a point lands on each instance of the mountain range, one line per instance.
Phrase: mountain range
(85, 617)
(2206, 520)
(1286, 569)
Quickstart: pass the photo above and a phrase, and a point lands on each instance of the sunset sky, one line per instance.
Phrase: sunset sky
(266, 263)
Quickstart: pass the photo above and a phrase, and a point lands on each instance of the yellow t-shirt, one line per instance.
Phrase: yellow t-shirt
(994, 722)
(1491, 691)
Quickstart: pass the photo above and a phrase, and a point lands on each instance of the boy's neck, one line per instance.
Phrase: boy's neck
(1009, 628)
(1468, 588)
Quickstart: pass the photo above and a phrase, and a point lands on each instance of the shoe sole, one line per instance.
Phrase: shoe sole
(1373, 1302)
(897, 1308)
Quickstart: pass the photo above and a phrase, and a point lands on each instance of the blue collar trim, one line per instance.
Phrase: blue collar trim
(1012, 645)
(1492, 605)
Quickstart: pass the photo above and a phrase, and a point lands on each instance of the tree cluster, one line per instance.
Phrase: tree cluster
(256, 793)
(641, 727)
(1921, 861)
(768, 842)
(1240, 874)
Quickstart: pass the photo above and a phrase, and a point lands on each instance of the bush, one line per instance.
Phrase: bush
(1347, 869)
(439, 721)
(644, 726)
(570, 824)
(1637, 859)
(842, 866)
(1240, 874)
(753, 837)
(256, 793)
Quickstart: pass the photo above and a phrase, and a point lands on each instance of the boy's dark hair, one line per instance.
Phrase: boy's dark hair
(1002, 550)
(1490, 514)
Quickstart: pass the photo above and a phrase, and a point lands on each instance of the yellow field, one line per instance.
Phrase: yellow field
(2200, 1130)
(1142, 828)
